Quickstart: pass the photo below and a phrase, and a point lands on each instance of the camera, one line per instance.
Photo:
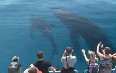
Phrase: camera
(68, 51)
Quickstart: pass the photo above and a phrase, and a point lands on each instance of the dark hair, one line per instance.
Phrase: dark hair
(107, 50)
(68, 51)
(40, 55)
(32, 70)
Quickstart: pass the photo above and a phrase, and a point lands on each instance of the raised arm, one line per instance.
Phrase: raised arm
(86, 59)
(98, 52)
(114, 55)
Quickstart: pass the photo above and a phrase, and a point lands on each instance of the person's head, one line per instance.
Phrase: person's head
(107, 50)
(68, 51)
(92, 55)
(40, 55)
(32, 70)
(15, 59)
(31, 65)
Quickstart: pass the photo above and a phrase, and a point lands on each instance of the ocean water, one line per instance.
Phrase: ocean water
(19, 37)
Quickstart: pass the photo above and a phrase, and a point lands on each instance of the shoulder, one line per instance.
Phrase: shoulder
(63, 57)
(19, 64)
(73, 57)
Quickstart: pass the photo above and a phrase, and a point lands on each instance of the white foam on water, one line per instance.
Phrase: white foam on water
(9, 2)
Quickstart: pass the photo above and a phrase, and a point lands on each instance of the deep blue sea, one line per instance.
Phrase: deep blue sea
(18, 35)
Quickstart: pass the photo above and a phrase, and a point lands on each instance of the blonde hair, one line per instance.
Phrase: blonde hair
(92, 55)
(15, 58)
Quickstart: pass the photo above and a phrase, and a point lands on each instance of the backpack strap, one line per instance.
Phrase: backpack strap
(67, 62)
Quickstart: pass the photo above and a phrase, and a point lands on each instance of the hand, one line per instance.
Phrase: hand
(57, 68)
(64, 54)
(100, 45)
(114, 54)
(83, 51)
(89, 52)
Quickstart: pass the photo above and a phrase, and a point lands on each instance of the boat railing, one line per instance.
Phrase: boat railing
(60, 71)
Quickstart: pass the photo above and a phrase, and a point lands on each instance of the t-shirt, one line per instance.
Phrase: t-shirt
(43, 66)
(71, 60)
(14, 67)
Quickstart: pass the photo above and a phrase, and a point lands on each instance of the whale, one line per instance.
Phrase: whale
(46, 30)
(79, 26)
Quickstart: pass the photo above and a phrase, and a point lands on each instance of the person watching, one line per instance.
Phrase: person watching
(14, 66)
(68, 60)
(105, 58)
(43, 65)
(92, 62)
